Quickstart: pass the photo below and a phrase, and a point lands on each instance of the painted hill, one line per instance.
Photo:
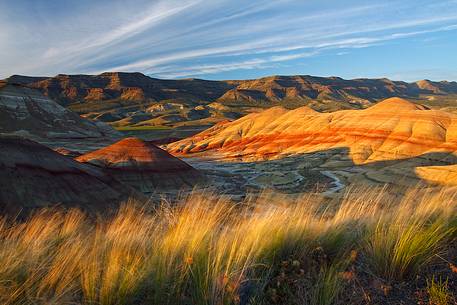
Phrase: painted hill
(144, 166)
(133, 99)
(32, 175)
(390, 130)
(27, 112)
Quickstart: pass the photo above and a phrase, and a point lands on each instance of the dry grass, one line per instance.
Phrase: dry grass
(409, 236)
(208, 250)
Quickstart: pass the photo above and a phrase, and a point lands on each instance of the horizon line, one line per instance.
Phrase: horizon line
(245, 79)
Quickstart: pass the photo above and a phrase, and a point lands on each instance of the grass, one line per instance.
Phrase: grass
(327, 287)
(438, 292)
(403, 242)
(206, 249)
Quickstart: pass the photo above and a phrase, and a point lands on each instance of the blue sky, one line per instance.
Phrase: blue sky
(231, 39)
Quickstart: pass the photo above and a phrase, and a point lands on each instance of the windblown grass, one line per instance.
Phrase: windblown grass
(209, 250)
(410, 236)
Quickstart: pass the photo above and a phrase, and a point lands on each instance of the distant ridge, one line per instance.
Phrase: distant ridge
(67, 89)
(79, 88)
(124, 99)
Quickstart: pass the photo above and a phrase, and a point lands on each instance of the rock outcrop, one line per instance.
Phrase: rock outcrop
(143, 166)
(392, 129)
(27, 112)
(33, 176)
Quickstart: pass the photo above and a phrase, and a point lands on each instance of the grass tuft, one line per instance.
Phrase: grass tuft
(438, 292)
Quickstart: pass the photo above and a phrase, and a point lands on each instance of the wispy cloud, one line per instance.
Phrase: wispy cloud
(152, 15)
(182, 38)
(157, 66)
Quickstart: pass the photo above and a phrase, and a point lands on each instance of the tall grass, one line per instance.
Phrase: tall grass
(408, 237)
(206, 249)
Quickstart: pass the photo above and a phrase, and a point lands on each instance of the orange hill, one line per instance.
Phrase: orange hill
(392, 129)
(143, 166)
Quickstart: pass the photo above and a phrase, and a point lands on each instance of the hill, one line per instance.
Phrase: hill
(27, 112)
(34, 176)
(394, 141)
(134, 99)
(143, 166)
(391, 129)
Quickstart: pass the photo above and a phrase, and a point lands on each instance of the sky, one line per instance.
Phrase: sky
(231, 39)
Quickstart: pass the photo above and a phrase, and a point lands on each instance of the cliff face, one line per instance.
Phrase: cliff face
(390, 130)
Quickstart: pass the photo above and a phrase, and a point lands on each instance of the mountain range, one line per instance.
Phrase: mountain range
(134, 99)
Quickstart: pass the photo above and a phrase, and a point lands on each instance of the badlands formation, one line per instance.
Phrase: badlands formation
(32, 175)
(27, 112)
(136, 100)
(392, 141)
(143, 166)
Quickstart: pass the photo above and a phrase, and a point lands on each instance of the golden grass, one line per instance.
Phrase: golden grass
(411, 235)
(209, 250)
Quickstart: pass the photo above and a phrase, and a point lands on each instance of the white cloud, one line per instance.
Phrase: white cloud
(175, 38)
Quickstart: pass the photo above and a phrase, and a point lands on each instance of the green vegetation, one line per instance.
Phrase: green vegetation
(108, 105)
(438, 292)
(141, 128)
(327, 287)
(208, 250)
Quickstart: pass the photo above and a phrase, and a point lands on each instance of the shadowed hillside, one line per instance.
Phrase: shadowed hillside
(29, 113)
(144, 166)
(33, 176)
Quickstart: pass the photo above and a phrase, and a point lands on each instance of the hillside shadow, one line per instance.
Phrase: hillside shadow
(322, 171)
